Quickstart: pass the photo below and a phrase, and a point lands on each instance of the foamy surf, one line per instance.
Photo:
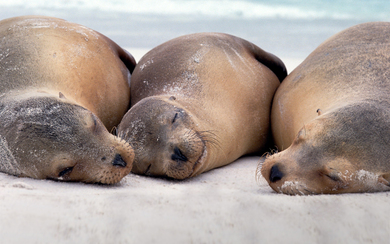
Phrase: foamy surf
(231, 9)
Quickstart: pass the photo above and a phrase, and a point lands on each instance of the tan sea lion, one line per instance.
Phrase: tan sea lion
(61, 86)
(199, 102)
(332, 113)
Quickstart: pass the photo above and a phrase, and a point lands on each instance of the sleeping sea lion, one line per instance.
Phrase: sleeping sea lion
(62, 86)
(199, 102)
(332, 117)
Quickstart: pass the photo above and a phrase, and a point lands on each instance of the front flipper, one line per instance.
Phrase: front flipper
(270, 60)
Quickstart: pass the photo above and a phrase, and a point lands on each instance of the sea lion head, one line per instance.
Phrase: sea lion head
(340, 151)
(166, 138)
(50, 137)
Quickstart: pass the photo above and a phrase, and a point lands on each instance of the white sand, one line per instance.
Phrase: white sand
(225, 205)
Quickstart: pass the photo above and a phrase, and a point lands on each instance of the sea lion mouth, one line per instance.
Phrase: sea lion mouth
(200, 162)
(185, 167)
(294, 188)
(119, 161)
(111, 172)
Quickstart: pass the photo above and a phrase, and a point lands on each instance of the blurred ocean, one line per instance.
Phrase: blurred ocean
(287, 28)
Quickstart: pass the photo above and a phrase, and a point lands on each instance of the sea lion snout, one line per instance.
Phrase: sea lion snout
(165, 140)
(58, 134)
(178, 155)
(118, 161)
(285, 176)
(275, 174)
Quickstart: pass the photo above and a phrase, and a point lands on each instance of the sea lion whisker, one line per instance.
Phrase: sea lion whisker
(114, 130)
(213, 142)
(121, 134)
(210, 138)
(273, 151)
(258, 174)
(266, 154)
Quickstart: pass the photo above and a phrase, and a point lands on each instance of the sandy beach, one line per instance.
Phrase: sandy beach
(225, 205)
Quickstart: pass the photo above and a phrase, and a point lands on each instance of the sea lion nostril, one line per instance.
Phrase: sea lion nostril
(275, 174)
(118, 161)
(178, 155)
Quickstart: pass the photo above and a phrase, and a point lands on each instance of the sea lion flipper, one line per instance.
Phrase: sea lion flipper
(124, 55)
(127, 59)
(274, 63)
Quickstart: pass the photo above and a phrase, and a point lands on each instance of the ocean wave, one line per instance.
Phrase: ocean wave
(249, 9)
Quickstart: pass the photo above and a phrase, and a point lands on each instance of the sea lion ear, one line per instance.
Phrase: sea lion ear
(384, 179)
(62, 96)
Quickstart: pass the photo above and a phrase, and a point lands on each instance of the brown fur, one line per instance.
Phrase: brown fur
(62, 86)
(199, 102)
(343, 147)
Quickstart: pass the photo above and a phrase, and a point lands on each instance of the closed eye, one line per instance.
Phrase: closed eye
(94, 120)
(65, 171)
(174, 118)
(94, 123)
(333, 177)
(97, 126)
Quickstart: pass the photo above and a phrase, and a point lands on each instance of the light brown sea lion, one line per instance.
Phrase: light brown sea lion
(199, 101)
(332, 113)
(61, 85)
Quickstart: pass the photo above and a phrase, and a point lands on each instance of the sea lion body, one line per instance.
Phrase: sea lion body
(199, 102)
(331, 117)
(62, 86)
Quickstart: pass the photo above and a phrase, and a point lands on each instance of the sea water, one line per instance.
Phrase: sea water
(287, 28)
